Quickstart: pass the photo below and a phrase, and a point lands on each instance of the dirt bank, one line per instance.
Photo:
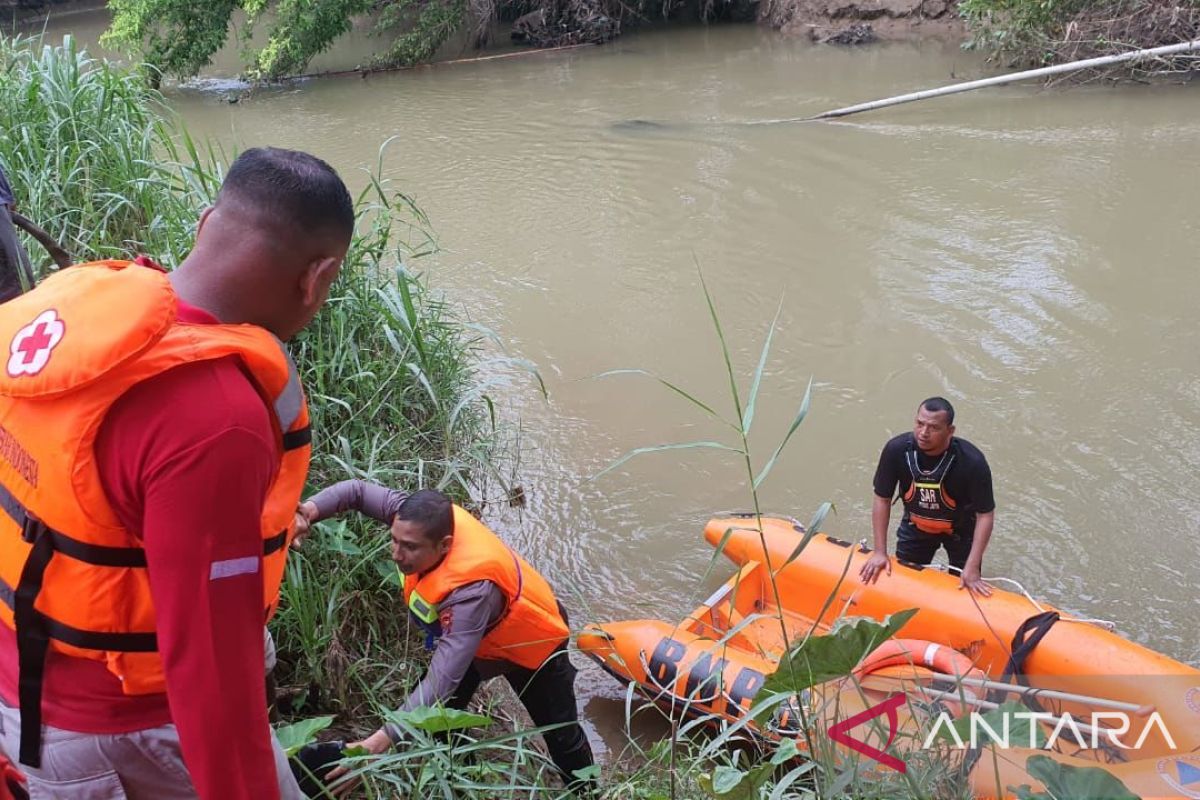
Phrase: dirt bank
(862, 21)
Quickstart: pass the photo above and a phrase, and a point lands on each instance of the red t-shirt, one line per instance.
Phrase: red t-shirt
(186, 459)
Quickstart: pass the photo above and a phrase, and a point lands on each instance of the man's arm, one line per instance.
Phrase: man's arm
(972, 570)
(207, 585)
(984, 501)
(186, 459)
(881, 513)
(465, 616)
(375, 501)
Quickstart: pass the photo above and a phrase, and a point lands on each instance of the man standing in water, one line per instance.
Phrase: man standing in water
(946, 485)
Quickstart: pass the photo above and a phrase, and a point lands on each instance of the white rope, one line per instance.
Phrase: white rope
(1108, 625)
(1103, 623)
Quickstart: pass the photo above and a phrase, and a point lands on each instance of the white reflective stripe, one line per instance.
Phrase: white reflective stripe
(930, 652)
(291, 400)
(233, 566)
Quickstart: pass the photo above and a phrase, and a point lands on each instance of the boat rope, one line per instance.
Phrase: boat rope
(1102, 623)
(1108, 625)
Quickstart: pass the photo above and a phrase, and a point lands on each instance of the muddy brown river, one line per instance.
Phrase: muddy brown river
(1029, 253)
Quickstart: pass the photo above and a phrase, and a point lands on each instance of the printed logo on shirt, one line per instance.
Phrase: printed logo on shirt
(29, 351)
(446, 619)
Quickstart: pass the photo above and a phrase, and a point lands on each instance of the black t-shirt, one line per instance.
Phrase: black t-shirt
(968, 481)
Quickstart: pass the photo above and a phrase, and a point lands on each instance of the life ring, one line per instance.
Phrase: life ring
(934, 656)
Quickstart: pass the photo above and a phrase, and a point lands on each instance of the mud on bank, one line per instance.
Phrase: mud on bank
(863, 21)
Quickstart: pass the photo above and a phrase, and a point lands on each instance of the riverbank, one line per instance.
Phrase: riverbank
(864, 21)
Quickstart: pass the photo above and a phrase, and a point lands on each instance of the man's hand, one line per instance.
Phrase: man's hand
(306, 515)
(973, 581)
(875, 564)
(377, 743)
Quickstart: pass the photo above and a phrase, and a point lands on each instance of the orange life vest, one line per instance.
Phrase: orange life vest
(531, 627)
(72, 579)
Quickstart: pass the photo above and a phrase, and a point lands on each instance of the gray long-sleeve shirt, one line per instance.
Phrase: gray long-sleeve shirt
(465, 614)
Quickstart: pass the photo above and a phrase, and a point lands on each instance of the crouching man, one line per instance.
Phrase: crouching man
(485, 612)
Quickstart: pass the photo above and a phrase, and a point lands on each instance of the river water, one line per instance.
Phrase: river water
(1029, 253)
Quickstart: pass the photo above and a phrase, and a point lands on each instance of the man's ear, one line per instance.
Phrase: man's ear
(444, 544)
(316, 279)
(203, 218)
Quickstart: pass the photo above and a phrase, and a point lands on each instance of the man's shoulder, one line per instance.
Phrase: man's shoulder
(898, 443)
(190, 403)
(970, 453)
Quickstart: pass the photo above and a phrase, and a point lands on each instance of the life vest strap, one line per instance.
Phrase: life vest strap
(294, 440)
(33, 640)
(85, 639)
(275, 543)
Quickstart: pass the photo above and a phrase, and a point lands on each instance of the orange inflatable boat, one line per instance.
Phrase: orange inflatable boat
(1097, 698)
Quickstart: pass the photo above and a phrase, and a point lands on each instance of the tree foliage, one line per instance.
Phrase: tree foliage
(180, 37)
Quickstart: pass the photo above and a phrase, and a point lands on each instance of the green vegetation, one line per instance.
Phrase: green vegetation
(180, 37)
(1042, 32)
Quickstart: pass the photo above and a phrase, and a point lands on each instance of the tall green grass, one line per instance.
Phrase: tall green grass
(397, 383)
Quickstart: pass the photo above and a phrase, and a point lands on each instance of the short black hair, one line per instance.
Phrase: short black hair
(936, 404)
(292, 188)
(431, 510)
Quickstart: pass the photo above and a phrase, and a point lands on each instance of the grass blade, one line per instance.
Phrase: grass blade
(660, 448)
(748, 417)
(800, 415)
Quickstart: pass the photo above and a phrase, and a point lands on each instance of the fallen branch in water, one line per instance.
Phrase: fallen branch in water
(999, 80)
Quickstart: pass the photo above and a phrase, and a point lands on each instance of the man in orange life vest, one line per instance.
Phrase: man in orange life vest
(486, 612)
(154, 444)
(946, 485)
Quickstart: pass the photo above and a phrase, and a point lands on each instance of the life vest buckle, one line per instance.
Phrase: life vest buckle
(32, 528)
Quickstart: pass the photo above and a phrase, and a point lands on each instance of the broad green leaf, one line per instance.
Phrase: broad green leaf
(786, 751)
(439, 719)
(1065, 781)
(730, 783)
(748, 417)
(297, 735)
(725, 779)
(823, 658)
(800, 415)
(586, 773)
(390, 573)
(661, 447)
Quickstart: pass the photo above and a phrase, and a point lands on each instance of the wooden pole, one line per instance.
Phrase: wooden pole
(999, 80)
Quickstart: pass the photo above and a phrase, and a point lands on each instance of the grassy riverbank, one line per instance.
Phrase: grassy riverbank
(1043, 32)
